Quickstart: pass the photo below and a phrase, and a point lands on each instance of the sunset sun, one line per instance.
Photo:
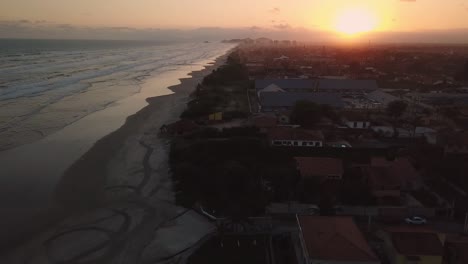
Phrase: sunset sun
(355, 21)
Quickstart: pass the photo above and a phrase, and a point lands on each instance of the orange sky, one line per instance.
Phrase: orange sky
(300, 19)
(391, 14)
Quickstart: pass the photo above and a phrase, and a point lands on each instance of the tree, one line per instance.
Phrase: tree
(307, 114)
(465, 72)
(396, 108)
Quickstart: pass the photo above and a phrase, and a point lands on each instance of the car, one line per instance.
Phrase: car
(313, 209)
(416, 220)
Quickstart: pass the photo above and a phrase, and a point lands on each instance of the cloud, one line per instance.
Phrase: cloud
(255, 28)
(279, 30)
(275, 10)
(282, 26)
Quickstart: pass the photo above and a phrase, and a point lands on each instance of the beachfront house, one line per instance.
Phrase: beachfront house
(337, 86)
(356, 120)
(408, 245)
(320, 168)
(333, 240)
(280, 102)
(295, 137)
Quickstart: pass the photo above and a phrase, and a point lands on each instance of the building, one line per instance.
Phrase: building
(270, 88)
(413, 245)
(403, 169)
(278, 101)
(295, 137)
(290, 85)
(381, 99)
(456, 249)
(383, 182)
(264, 122)
(347, 86)
(356, 120)
(333, 240)
(320, 168)
(338, 86)
(455, 143)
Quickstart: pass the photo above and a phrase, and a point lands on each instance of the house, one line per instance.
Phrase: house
(347, 86)
(295, 137)
(216, 116)
(356, 120)
(400, 168)
(383, 182)
(456, 249)
(277, 101)
(270, 88)
(338, 86)
(333, 240)
(290, 85)
(264, 122)
(413, 245)
(455, 143)
(381, 98)
(320, 168)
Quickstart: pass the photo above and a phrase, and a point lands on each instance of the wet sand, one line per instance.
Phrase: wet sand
(126, 170)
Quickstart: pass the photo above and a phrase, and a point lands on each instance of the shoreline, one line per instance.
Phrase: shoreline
(82, 187)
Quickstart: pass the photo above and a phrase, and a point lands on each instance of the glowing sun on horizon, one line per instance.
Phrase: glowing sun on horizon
(355, 21)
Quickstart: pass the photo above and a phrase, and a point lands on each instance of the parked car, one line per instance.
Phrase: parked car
(416, 220)
(313, 209)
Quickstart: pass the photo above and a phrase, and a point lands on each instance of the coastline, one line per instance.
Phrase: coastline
(94, 164)
(84, 186)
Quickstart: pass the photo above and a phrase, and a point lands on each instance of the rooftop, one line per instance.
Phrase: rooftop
(319, 166)
(416, 243)
(383, 176)
(334, 238)
(286, 83)
(275, 99)
(285, 133)
(347, 84)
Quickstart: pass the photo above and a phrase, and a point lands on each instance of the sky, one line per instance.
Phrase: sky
(276, 18)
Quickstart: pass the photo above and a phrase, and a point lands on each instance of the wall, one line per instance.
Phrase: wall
(291, 143)
(357, 124)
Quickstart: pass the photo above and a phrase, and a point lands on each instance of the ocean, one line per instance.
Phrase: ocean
(46, 85)
(59, 97)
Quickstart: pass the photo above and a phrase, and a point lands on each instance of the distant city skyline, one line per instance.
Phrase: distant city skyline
(381, 20)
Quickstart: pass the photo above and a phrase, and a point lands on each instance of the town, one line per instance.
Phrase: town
(305, 153)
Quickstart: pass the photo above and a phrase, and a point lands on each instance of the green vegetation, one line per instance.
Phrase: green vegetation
(426, 198)
(224, 90)
(234, 177)
(396, 109)
(308, 114)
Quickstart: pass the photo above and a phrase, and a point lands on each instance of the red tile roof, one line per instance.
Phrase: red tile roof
(334, 238)
(400, 168)
(383, 177)
(284, 133)
(419, 244)
(264, 121)
(458, 245)
(413, 240)
(319, 166)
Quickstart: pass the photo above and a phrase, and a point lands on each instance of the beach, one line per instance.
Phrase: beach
(118, 197)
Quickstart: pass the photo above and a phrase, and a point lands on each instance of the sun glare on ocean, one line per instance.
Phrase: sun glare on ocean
(354, 21)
